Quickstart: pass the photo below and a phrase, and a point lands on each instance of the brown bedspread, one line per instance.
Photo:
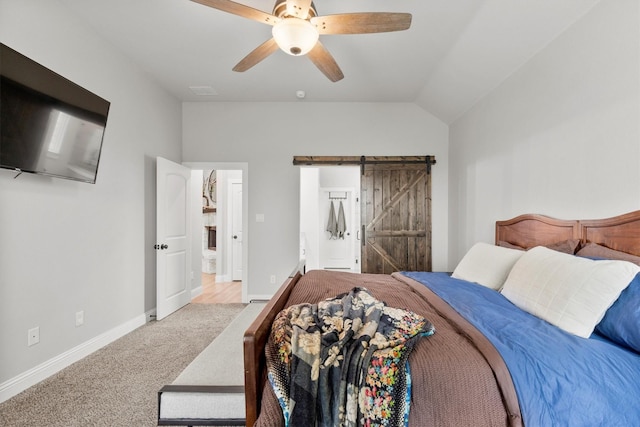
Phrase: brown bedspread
(458, 377)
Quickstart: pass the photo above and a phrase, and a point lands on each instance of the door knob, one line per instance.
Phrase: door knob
(163, 246)
(235, 236)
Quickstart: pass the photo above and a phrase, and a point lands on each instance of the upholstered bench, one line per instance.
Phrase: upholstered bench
(210, 391)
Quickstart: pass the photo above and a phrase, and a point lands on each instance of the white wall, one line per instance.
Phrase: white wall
(67, 246)
(309, 217)
(560, 137)
(268, 135)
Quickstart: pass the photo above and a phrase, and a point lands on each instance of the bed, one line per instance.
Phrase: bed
(468, 372)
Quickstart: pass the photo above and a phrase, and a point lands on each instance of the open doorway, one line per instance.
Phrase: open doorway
(220, 224)
(395, 210)
(330, 218)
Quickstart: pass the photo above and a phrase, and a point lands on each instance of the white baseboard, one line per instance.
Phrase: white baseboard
(223, 278)
(195, 292)
(18, 384)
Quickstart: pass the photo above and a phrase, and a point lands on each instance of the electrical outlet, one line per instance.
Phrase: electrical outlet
(80, 318)
(33, 336)
(272, 279)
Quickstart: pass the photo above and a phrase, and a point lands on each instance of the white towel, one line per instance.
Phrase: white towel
(342, 222)
(332, 223)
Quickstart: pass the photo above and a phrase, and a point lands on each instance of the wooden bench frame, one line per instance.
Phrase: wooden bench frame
(254, 341)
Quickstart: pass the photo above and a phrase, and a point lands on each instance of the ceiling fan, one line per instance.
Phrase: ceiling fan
(297, 27)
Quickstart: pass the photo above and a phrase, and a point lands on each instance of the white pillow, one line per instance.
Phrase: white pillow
(487, 265)
(570, 292)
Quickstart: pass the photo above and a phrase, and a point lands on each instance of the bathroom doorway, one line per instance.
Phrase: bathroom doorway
(330, 218)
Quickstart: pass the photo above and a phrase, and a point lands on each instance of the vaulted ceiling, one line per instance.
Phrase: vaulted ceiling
(455, 52)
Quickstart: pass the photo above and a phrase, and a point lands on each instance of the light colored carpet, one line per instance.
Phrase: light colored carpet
(118, 384)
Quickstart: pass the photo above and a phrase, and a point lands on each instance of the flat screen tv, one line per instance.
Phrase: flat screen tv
(48, 124)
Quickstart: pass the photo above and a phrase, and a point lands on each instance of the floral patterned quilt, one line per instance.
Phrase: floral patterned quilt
(344, 361)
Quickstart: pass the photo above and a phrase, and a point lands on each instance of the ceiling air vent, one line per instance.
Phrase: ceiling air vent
(203, 90)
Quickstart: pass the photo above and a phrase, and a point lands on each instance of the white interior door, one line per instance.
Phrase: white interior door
(173, 237)
(236, 229)
(337, 253)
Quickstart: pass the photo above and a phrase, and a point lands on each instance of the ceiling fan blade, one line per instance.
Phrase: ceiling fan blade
(257, 55)
(325, 62)
(362, 23)
(298, 8)
(240, 10)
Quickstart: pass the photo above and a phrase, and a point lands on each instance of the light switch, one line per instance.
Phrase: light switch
(259, 217)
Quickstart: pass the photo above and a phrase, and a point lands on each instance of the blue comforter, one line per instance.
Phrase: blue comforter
(561, 379)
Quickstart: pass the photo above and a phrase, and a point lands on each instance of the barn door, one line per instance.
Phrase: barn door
(396, 217)
(395, 229)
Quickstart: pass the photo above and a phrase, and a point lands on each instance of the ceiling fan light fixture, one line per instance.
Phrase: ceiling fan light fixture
(295, 36)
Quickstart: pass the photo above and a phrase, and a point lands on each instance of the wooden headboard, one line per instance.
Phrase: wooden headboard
(621, 232)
